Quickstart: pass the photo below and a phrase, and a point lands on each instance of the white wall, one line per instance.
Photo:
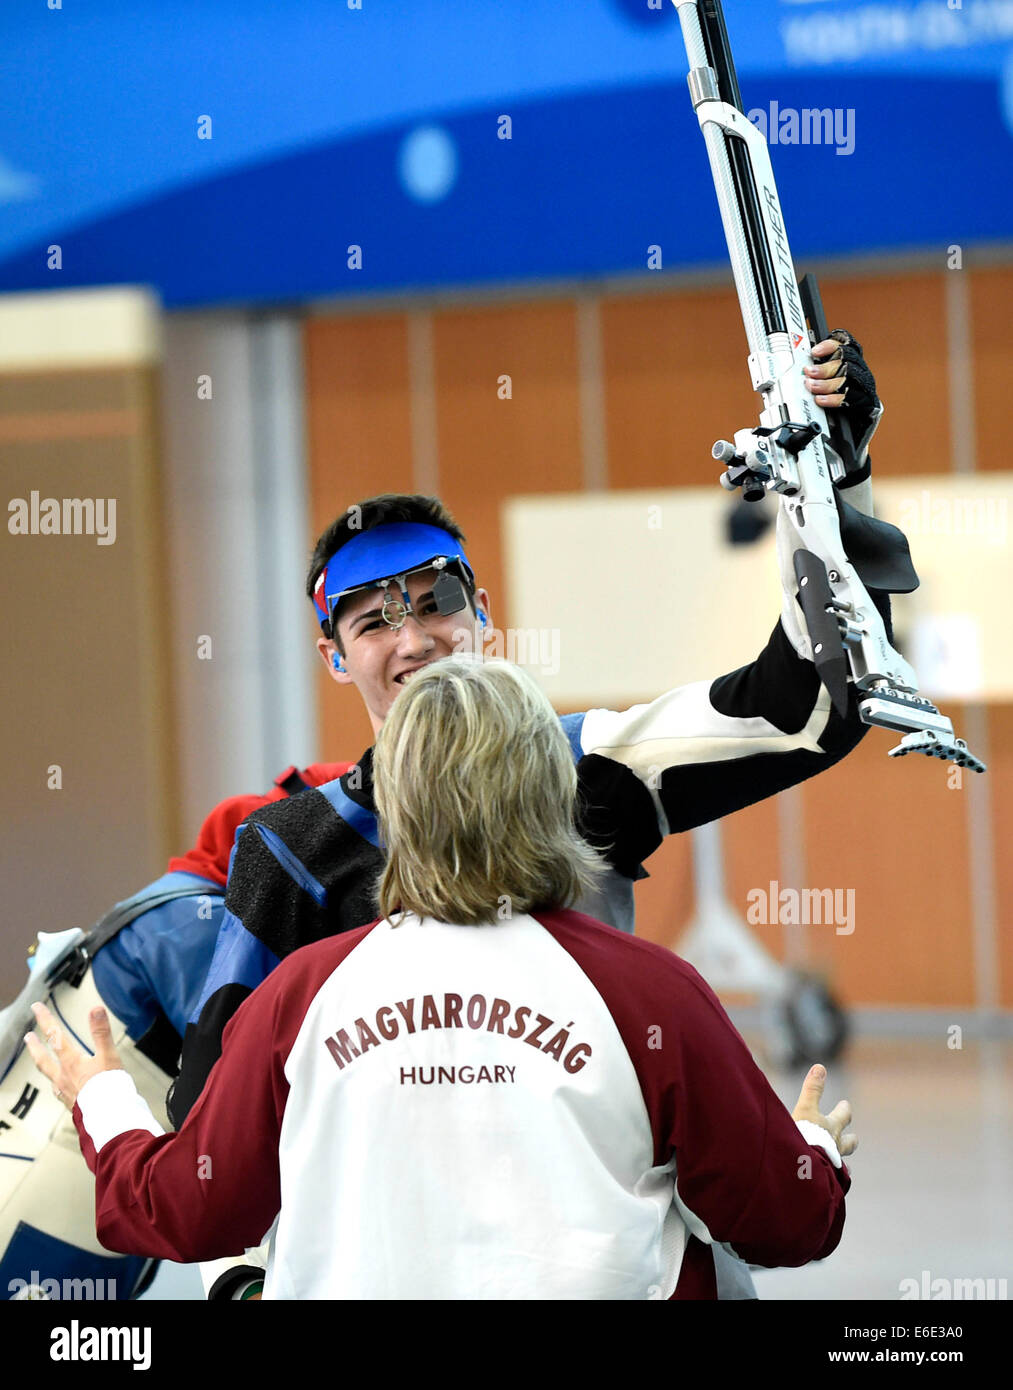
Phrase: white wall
(645, 593)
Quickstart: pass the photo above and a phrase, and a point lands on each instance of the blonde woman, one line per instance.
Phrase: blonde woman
(483, 1094)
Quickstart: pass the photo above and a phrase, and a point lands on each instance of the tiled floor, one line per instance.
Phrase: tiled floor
(932, 1177)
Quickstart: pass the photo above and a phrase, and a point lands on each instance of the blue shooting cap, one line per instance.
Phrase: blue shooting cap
(382, 554)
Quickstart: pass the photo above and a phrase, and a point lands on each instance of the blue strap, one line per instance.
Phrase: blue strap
(363, 822)
(292, 865)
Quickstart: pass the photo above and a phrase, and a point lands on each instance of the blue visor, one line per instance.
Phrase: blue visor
(383, 553)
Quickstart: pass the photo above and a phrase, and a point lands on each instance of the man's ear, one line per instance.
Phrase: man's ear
(482, 603)
(328, 651)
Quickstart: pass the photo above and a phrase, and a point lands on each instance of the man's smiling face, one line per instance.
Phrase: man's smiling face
(379, 659)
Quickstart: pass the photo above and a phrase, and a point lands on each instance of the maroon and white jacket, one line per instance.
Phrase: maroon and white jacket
(543, 1107)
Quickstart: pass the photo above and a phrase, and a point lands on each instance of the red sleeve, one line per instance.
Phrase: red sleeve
(742, 1166)
(319, 773)
(194, 1195)
(209, 857)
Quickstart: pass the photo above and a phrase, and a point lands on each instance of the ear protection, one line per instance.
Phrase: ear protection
(482, 618)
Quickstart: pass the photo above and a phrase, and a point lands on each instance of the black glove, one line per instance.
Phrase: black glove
(861, 407)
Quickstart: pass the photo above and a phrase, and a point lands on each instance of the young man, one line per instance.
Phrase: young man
(426, 1122)
(306, 870)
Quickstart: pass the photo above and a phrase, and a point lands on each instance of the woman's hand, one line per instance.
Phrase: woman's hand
(67, 1066)
(808, 1108)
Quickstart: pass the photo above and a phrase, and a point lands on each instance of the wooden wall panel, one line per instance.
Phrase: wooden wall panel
(893, 956)
(751, 853)
(675, 381)
(491, 448)
(1000, 795)
(664, 902)
(86, 681)
(992, 312)
(358, 410)
(892, 830)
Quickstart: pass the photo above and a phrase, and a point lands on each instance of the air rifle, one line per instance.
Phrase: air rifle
(797, 450)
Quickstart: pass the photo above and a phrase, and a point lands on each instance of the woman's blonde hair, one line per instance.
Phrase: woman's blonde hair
(475, 789)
